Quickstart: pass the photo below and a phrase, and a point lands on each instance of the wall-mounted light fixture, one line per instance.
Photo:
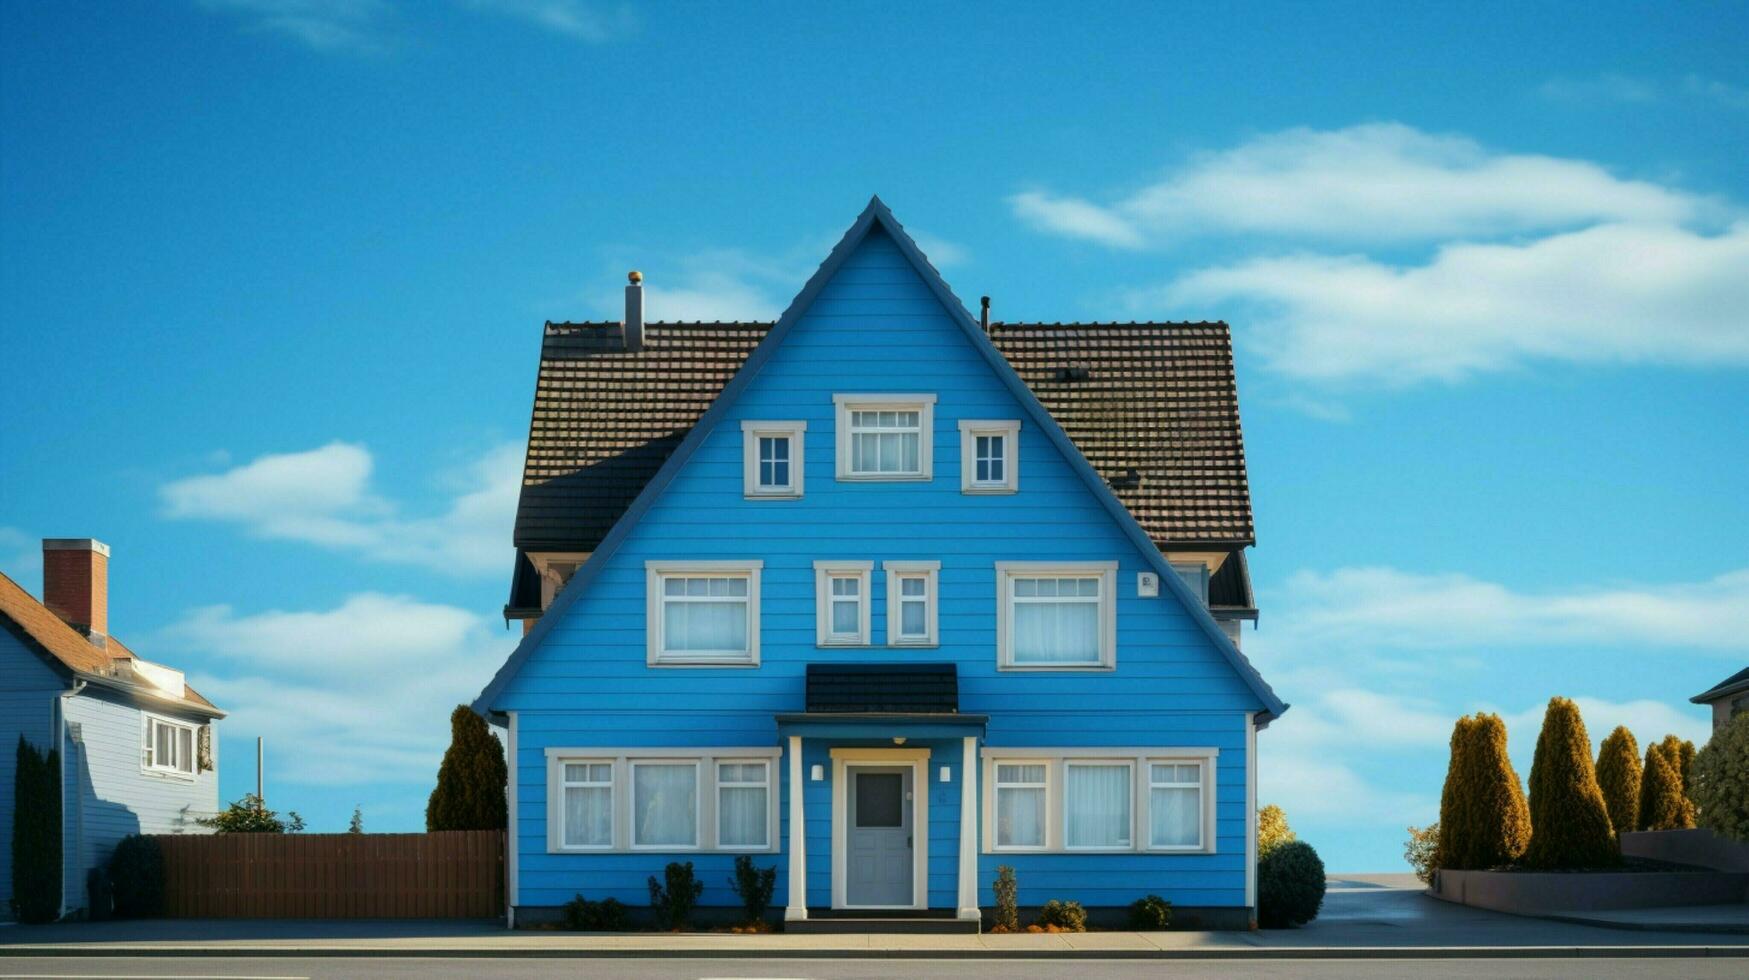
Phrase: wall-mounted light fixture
(898, 740)
(817, 773)
(946, 774)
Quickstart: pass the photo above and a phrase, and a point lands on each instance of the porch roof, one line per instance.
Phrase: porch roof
(880, 724)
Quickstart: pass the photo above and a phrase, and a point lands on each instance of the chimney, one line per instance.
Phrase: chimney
(984, 313)
(76, 584)
(634, 325)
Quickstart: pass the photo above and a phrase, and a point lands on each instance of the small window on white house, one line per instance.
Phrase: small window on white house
(989, 456)
(1097, 805)
(1057, 616)
(703, 613)
(664, 805)
(169, 746)
(1020, 805)
(588, 804)
(1175, 805)
(885, 437)
(772, 466)
(842, 602)
(911, 602)
(743, 805)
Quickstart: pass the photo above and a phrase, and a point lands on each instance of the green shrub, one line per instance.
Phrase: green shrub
(754, 886)
(1422, 851)
(1063, 916)
(1290, 886)
(136, 878)
(1272, 829)
(1150, 913)
(607, 915)
(1721, 780)
(1569, 821)
(471, 779)
(1618, 775)
(1484, 821)
(1007, 900)
(1680, 752)
(673, 902)
(36, 834)
(248, 815)
(1662, 803)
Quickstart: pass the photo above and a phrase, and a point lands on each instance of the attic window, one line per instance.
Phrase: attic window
(772, 459)
(885, 437)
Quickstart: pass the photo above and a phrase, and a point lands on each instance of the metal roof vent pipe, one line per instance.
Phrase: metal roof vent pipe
(984, 313)
(634, 323)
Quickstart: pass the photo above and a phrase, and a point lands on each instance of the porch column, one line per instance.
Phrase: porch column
(968, 903)
(798, 863)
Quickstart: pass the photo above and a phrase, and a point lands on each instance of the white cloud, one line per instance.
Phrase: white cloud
(1649, 720)
(357, 694)
(323, 497)
(1608, 87)
(1314, 786)
(595, 23)
(1723, 93)
(1634, 294)
(21, 556)
(1378, 182)
(326, 25)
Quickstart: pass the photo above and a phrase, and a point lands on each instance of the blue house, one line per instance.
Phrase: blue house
(885, 596)
(138, 746)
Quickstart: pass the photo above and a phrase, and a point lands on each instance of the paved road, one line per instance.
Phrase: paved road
(528, 969)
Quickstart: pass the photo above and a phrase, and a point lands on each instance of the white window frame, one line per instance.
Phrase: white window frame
(149, 749)
(717, 797)
(970, 430)
(1085, 762)
(922, 404)
(624, 804)
(1204, 825)
(996, 787)
(612, 785)
(751, 432)
(1008, 571)
(930, 572)
(697, 802)
(824, 573)
(656, 571)
(1057, 760)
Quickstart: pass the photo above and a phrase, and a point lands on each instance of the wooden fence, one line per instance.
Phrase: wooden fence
(449, 874)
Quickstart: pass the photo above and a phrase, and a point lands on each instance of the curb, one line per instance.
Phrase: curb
(1248, 953)
(1719, 929)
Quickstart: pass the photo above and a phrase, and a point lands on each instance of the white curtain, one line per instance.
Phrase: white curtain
(1176, 816)
(589, 816)
(665, 804)
(705, 625)
(1056, 632)
(1020, 810)
(1096, 801)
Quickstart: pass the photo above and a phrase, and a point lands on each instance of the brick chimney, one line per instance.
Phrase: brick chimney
(76, 584)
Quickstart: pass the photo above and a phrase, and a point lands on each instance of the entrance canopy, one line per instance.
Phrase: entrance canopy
(882, 700)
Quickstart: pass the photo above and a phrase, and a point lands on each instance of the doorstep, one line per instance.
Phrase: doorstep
(846, 922)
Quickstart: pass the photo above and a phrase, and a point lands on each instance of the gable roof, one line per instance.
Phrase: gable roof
(1729, 686)
(1154, 407)
(68, 649)
(876, 215)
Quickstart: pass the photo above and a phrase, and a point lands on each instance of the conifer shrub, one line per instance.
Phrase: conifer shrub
(674, 898)
(136, 878)
(1569, 819)
(1290, 886)
(1721, 780)
(607, 915)
(1150, 913)
(1484, 821)
(1680, 752)
(754, 887)
(1618, 775)
(1662, 805)
(1060, 916)
(1272, 829)
(471, 779)
(248, 815)
(1007, 900)
(36, 834)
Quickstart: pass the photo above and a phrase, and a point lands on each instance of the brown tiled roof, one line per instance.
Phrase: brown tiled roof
(37, 627)
(1153, 406)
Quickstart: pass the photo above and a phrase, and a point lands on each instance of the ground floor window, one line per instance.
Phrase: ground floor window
(1125, 799)
(661, 799)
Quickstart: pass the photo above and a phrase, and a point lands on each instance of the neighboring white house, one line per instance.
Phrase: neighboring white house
(1728, 698)
(139, 751)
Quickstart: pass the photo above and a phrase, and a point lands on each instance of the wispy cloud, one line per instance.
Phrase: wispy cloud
(1379, 182)
(324, 497)
(1614, 89)
(353, 695)
(1724, 93)
(356, 26)
(595, 23)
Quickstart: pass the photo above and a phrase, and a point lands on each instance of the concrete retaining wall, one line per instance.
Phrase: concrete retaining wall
(1701, 848)
(1539, 893)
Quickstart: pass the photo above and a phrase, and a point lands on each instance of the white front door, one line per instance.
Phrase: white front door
(879, 837)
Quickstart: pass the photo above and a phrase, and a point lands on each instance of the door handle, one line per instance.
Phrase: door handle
(907, 842)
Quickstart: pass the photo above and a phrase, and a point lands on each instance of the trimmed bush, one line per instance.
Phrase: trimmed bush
(1290, 886)
(136, 878)
(1007, 898)
(607, 915)
(36, 835)
(1721, 780)
(1150, 913)
(471, 779)
(248, 815)
(754, 887)
(1061, 916)
(1421, 850)
(673, 900)
(1680, 752)
(1272, 829)
(1569, 820)
(1484, 821)
(1618, 775)
(1662, 805)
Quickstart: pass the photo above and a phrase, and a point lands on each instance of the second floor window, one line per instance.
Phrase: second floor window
(169, 747)
(911, 603)
(704, 613)
(1057, 616)
(841, 606)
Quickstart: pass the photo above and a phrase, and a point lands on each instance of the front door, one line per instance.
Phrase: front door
(878, 861)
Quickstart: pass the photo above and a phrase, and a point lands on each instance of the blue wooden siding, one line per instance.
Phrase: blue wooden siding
(876, 328)
(27, 697)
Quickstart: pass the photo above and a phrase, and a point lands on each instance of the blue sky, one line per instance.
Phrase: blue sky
(272, 274)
